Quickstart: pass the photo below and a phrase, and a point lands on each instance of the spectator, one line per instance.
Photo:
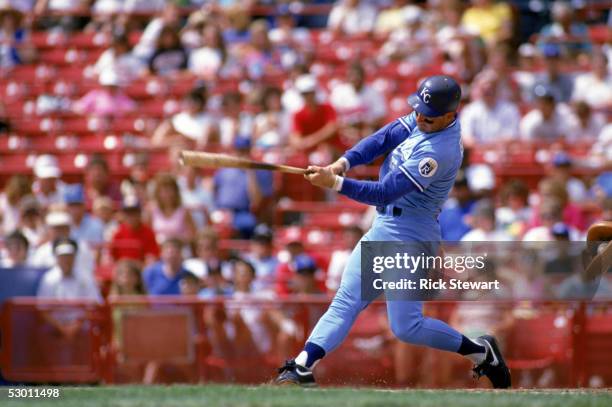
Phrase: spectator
(48, 187)
(548, 122)
(137, 181)
(128, 279)
(17, 188)
(215, 285)
(339, 257)
(489, 119)
(315, 124)
(453, 216)
(393, 17)
(572, 214)
(490, 20)
(498, 65)
(561, 171)
(550, 213)
(65, 281)
(241, 192)
(169, 17)
(196, 195)
(292, 99)
(514, 213)
(411, 43)
(168, 216)
(119, 59)
(482, 220)
(110, 100)
(208, 61)
(272, 124)
(104, 210)
(163, 277)
(235, 122)
(85, 228)
(192, 124)
(58, 224)
(584, 124)
(359, 106)
(258, 57)
(571, 35)
(169, 57)
(31, 222)
(291, 40)
(288, 266)
(303, 280)
(602, 149)
(16, 251)
(595, 87)
(98, 182)
(63, 15)
(134, 239)
(262, 258)
(352, 17)
(190, 284)
(15, 46)
(208, 260)
(560, 84)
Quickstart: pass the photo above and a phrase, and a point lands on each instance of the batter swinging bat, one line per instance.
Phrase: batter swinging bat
(214, 160)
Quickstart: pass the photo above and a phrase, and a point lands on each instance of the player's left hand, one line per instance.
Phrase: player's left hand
(320, 177)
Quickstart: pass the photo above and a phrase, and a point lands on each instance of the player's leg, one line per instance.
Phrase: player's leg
(332, 328)
(410, 325)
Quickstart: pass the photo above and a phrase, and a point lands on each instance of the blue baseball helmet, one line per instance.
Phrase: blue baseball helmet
(437, 95)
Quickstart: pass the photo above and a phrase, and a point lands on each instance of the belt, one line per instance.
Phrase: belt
(389, 210)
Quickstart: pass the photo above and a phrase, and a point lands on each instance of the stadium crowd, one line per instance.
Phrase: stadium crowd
(170, 230)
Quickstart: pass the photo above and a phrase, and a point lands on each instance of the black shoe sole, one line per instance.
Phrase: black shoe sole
(500, 359)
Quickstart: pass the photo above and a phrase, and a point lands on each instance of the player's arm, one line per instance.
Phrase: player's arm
(375, 145)
(378, 193)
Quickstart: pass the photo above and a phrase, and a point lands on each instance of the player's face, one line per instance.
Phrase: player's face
(432, 124)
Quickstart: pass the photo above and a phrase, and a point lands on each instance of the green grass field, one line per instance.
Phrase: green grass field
(255, 396)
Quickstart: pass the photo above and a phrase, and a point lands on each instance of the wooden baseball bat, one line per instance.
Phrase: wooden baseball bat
(213, 160)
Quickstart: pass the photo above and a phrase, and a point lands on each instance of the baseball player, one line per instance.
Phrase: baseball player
(423, 154)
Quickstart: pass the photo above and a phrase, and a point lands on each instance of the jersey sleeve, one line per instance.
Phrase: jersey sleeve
(382, 141)
(425, 166)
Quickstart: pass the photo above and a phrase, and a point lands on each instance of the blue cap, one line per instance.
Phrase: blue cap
(303, 264)
(437, 95)
(562, 159)
(74, 194)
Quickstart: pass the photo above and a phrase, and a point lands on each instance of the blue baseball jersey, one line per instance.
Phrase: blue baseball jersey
(430, 162)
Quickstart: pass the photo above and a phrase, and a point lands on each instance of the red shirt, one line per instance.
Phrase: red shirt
(134, 243)
(307, 121)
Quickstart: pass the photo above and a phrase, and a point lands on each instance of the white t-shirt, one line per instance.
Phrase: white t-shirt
(10, 215)
(205, 62)
(127, 66)
(55, 285)
(360, 19)
(577, 133)
(367, 105)
(60, 5)
(489, 125)
(196, 127)
(533, 126)
(595, 92)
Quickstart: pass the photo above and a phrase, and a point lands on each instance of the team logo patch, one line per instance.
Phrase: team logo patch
(428, 167)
